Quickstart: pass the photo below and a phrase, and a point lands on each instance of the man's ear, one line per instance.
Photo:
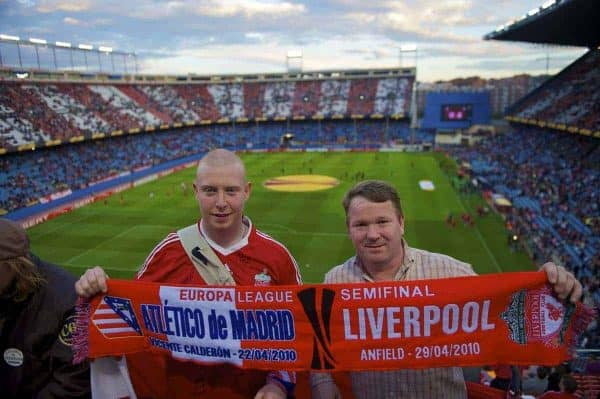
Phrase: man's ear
(401, 221)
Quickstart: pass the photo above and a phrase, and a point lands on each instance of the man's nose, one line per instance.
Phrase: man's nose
(221, 199)
(372, 231)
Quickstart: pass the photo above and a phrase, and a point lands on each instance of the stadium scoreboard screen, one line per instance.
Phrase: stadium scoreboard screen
(456, 112)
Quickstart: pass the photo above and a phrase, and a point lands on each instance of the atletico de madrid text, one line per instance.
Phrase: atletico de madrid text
(264, 325)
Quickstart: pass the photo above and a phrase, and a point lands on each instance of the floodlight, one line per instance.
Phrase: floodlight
(63, 44)
(105, 49)
(37, 41)
(86, 47)
(9, 37)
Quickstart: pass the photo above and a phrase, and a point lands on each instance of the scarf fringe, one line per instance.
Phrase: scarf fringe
(81, 347)
(583, 317)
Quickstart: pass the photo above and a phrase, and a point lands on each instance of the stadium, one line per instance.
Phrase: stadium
(98, 166)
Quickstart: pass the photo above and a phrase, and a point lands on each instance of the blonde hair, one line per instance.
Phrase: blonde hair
(27, 277)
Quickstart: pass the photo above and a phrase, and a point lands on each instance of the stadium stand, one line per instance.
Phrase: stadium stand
(36, 113)
(306, 99)
(31, 176)
(570, 98)
(198, 100)
(552, 180)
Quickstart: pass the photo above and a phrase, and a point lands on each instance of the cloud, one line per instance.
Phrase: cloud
(47, 6)
(71, 21)
(25, 3)
(216, 9)
(255, 36)
(248, 8)
(409, 20)
(152, 10)
(96, 22)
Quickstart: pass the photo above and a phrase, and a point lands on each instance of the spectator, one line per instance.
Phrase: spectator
(252, 258)
(375, 225)
(567, 389)
(37, 302)
(535, 383)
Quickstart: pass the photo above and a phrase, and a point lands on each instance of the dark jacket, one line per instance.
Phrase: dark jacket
(35, 342)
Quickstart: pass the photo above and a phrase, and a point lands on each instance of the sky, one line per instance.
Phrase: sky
(209, 37)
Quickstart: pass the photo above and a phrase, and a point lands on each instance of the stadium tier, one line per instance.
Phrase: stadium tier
(30, 177)
(43, 114)
(570, 101)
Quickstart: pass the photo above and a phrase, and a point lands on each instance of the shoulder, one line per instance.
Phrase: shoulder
(267, 242)
(54, 274)
(59, 284)
(341, 273)
(455, 266)
(169, 247)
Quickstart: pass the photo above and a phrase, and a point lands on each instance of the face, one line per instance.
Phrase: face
(221, 192)
(376, 232)
(7, 275)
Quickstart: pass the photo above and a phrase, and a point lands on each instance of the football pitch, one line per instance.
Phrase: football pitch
(119, 233)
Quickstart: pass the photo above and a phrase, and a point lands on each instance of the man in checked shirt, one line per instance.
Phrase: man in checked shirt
(376, 227)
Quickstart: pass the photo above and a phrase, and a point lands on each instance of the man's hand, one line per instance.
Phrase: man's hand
(270, 391)
(92, 282)
(563, 282)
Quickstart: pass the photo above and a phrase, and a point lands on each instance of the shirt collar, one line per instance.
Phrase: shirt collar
(407, 262)
(236, 246)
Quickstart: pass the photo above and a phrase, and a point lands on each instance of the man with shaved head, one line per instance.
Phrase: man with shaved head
(249, 257)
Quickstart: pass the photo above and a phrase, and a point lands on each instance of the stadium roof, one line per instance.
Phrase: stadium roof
(561, 22)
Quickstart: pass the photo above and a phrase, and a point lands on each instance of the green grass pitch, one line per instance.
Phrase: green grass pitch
(120, 233)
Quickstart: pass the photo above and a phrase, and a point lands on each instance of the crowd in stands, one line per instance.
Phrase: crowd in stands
(571, 97)
(569, 380)
(34, 112)
(552, 180)
(25, 177)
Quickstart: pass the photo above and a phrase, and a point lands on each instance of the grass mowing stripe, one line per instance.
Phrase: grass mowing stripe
(60, 226)
(70, 261)
(305, 233)
(480, 237)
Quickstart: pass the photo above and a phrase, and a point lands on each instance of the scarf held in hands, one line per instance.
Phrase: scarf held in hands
(508, 318)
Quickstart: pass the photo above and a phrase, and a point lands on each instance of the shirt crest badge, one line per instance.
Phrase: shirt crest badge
(262, 279)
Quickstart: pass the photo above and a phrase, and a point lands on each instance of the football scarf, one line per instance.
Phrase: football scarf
(508, 318)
